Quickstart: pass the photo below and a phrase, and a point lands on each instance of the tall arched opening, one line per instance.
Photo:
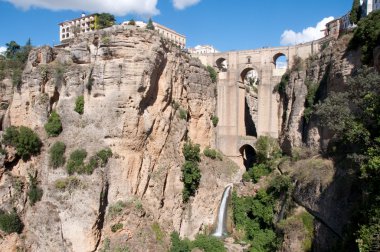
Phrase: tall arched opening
(280, 61)
(250, 78)
(248, 154)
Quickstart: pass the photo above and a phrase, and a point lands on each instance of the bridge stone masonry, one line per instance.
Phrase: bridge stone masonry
(233, 66)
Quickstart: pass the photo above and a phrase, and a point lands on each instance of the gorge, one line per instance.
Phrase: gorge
(111, 143)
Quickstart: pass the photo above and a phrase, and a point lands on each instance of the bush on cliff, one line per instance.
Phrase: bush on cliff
(213, 73)
(25, 140)
(191, 174)
(57, 152)
(10, 222)
(35, 192)
(54, 126)
(367, 36)
(79, 105)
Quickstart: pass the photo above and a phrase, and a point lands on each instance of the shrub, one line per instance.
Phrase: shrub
(267, 148)
(75, 163)
(211, 153)
(179, 245)
(258, 171)
(214, 120)
(191, 176)
(208, 243)
(158, 232)
(26, 142)
(10, 222)
(191, 151)
(17, 78)
(79, 105)
(116, 208)
(69, 183)
(103, 156)
(116, 227)
(54, 126)
(182, 114)
(246, 177)
(57, 152)
(281, 87)
(202, 242)
(35, 193)
(213, 73)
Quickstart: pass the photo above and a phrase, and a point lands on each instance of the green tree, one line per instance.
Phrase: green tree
(355, 13)
(105, 20)
(26, 142)
(191, 176)
(367, 36)
(12, 49)
(132, 22)
(150, 25)
(54, 126)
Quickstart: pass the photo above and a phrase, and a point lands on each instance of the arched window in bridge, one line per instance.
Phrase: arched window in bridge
(222, 64)
(280, 61)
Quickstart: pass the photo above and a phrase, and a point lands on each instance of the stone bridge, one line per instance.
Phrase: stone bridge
(234, 132)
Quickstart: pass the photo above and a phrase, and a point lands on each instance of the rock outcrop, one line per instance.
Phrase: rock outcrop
(133, 83)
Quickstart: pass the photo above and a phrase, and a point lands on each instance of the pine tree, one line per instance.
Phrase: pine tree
(355, 12)
(150, 25)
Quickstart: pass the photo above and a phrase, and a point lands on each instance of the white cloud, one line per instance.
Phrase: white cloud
(2, 49)
(183, 4)
(116, 7)
(290, 37)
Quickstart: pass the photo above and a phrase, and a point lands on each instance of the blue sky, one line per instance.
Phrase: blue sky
(225, 24)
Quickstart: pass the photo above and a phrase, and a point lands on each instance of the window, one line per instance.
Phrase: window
(63, 36)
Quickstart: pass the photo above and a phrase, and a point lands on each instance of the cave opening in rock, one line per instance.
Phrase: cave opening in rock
(248, 154)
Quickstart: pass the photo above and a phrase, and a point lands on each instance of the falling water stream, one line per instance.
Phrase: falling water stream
(222, 214)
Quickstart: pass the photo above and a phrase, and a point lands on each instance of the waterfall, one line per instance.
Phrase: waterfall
(222, 214)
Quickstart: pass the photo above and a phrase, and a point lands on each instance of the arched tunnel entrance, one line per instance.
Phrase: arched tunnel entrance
(248, 154)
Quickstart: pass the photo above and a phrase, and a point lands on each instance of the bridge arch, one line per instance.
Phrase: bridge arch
(249, 75)
(280, 60)
(248, 153)
(222, 64)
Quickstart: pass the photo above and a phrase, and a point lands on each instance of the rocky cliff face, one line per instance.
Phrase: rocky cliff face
(326, 188)
(133, 82)
(328, 70)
